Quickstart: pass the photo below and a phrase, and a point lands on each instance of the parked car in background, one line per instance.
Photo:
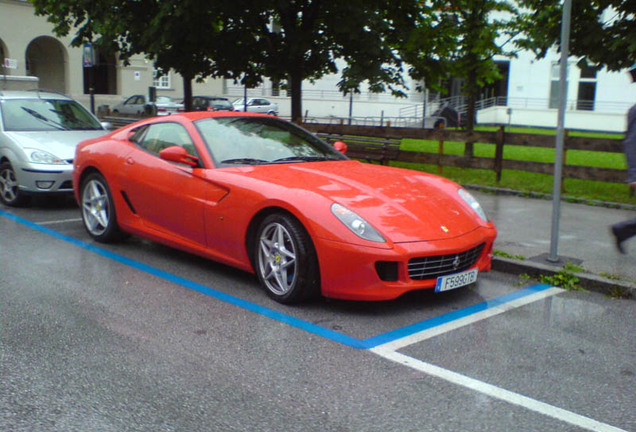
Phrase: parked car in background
(266, 196)
(211, 103)
(137, 104)
(258, 105)
(38, 135)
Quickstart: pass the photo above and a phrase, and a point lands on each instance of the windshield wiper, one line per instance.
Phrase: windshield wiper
(302, 159)
(247, 161)
(40, 117)
(79, 122)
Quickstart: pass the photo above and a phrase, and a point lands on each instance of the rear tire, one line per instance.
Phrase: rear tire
(98, 209)
(10, 193)
(285, 260)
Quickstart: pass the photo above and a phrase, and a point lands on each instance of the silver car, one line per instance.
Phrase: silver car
(38, 135)
(259, 105)
(137, 105)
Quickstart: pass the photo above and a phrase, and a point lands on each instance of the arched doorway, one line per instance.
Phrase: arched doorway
(3, 55)
(46, 59)
(104, 74)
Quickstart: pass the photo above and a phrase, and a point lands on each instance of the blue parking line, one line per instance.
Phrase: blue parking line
(279, 316)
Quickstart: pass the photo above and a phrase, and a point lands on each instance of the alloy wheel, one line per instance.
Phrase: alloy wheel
(95, 207)
(277, 259)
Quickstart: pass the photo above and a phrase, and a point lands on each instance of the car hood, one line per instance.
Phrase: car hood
(60, 143)
(403, 205)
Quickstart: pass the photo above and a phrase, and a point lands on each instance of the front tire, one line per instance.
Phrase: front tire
(98, 209)
(10, 193)
(285, 260)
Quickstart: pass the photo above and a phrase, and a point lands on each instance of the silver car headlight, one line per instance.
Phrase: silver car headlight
(473, 203)
(355, 223)
(43, 157)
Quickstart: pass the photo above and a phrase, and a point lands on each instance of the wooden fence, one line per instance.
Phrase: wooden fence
(499, 138)
(381, 143)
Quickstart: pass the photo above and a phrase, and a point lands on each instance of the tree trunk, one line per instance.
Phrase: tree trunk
(296, 80)
(187, 92)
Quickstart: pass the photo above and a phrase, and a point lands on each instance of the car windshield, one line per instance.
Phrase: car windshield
(164, 100)
(46, 115)
(257, 140)
(220, 103)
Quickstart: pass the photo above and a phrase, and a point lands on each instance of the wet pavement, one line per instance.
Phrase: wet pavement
(585, 240)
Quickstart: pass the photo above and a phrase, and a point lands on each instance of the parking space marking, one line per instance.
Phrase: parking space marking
(496, 392)
(423, 330)
(279, 316)
(381, 345)
(60, 221)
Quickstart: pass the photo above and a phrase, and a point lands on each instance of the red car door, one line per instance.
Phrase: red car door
(168, 197)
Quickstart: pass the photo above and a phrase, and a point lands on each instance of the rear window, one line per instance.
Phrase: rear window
(46, 115)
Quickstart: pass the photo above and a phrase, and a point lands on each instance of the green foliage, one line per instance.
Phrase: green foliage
(287, 41)
(459, 38)
(503, 254)
(562, 279)
(603, 32)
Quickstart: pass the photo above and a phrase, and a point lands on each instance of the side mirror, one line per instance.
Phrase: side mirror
(179, 155)
(340, 146)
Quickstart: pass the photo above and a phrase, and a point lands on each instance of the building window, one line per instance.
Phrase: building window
(587, 89)
(162, 82)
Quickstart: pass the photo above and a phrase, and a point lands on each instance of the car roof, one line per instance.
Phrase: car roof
(32, 94)
(211, 97)
(198, 115)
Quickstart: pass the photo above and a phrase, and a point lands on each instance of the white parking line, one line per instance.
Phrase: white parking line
(397, 344)
(61, 221)
(388, 351)
(496, 392)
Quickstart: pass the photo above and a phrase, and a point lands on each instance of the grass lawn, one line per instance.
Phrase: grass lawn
(525, 181)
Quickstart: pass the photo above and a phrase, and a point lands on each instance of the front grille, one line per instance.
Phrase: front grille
(435, 266)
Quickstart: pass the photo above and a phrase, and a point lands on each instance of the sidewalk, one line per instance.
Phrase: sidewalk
(525, 226)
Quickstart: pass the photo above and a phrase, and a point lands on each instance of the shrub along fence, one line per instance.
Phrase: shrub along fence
(380, 146)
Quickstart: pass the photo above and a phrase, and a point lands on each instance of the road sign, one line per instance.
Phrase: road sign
(88, 58)
(10, 63)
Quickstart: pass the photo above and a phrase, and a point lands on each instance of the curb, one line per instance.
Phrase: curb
(588, 281)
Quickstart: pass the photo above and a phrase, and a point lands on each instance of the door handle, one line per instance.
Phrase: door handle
(130, 161)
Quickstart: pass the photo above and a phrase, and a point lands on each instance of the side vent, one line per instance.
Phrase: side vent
(130, 206)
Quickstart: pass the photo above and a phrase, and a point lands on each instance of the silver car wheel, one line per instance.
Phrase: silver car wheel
(10, 193)
(277, 259)
(95, 207)
(8, 185)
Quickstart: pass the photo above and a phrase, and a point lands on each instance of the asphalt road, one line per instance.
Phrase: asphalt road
(139, 337)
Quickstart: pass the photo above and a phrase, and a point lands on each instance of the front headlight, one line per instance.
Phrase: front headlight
(355, 223)
(43, 157)
(472, 202)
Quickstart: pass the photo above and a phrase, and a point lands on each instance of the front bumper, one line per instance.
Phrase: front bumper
(351, 271)
(42, 178)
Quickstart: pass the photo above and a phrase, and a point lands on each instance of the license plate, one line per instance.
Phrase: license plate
(450, 282)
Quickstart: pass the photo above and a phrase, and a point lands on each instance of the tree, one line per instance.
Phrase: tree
(603, 32)
(302, 39)
(287, 41)
(459, 39)
(175, 34)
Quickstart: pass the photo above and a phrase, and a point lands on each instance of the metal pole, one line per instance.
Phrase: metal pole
(560, 136)
(245, 97)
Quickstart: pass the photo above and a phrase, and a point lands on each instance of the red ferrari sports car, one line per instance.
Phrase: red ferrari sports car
(264, 195)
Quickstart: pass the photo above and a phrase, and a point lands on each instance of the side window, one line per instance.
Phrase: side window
(160, 136)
